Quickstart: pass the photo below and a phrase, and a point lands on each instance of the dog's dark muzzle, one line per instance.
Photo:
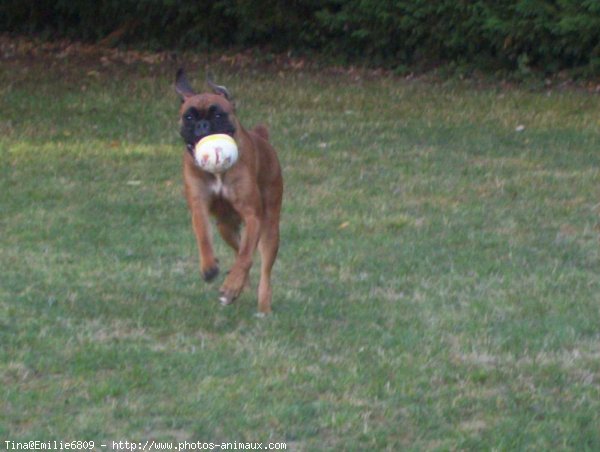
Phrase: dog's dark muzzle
(202, 128)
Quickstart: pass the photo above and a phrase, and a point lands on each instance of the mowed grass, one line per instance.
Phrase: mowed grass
(437, 288)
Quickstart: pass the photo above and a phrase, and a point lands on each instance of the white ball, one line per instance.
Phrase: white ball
(216, 153)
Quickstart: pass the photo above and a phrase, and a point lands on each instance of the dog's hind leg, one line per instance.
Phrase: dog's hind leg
(268, 247)
(230, 233)
(228, 223)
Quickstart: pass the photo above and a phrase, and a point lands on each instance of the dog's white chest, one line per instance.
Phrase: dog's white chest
(216, 187)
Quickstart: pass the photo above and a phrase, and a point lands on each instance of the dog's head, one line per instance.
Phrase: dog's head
(206, 113)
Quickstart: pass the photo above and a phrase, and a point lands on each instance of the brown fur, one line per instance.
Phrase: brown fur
(249, 194)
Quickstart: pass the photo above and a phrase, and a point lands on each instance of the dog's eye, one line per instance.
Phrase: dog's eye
(188, 117)
(218, 116)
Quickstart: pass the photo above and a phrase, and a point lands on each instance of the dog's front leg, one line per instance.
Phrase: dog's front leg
(197, 199)
(236, 279)
(209, 267)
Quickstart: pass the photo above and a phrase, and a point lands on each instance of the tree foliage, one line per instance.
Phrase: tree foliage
(547, 35)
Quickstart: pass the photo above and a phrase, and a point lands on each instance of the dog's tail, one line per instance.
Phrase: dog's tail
(262, 131)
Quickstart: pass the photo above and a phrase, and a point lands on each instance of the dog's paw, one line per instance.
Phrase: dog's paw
(226, 300)
(229, 292)
(233, 285)
(227, 296)
(210, 273)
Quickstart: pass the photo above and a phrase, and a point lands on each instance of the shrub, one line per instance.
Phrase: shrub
(547, 35)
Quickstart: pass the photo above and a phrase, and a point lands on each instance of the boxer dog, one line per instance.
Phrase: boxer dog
(248, 193)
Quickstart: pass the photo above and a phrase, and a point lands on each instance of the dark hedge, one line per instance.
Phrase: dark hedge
(521, 35)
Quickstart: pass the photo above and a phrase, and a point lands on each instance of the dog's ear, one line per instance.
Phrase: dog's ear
(218, 89)
(182, 86)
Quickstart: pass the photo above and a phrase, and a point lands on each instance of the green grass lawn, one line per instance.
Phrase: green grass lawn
(437, 288)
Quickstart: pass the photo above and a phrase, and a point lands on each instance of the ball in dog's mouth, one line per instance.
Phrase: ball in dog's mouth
(216, 153)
